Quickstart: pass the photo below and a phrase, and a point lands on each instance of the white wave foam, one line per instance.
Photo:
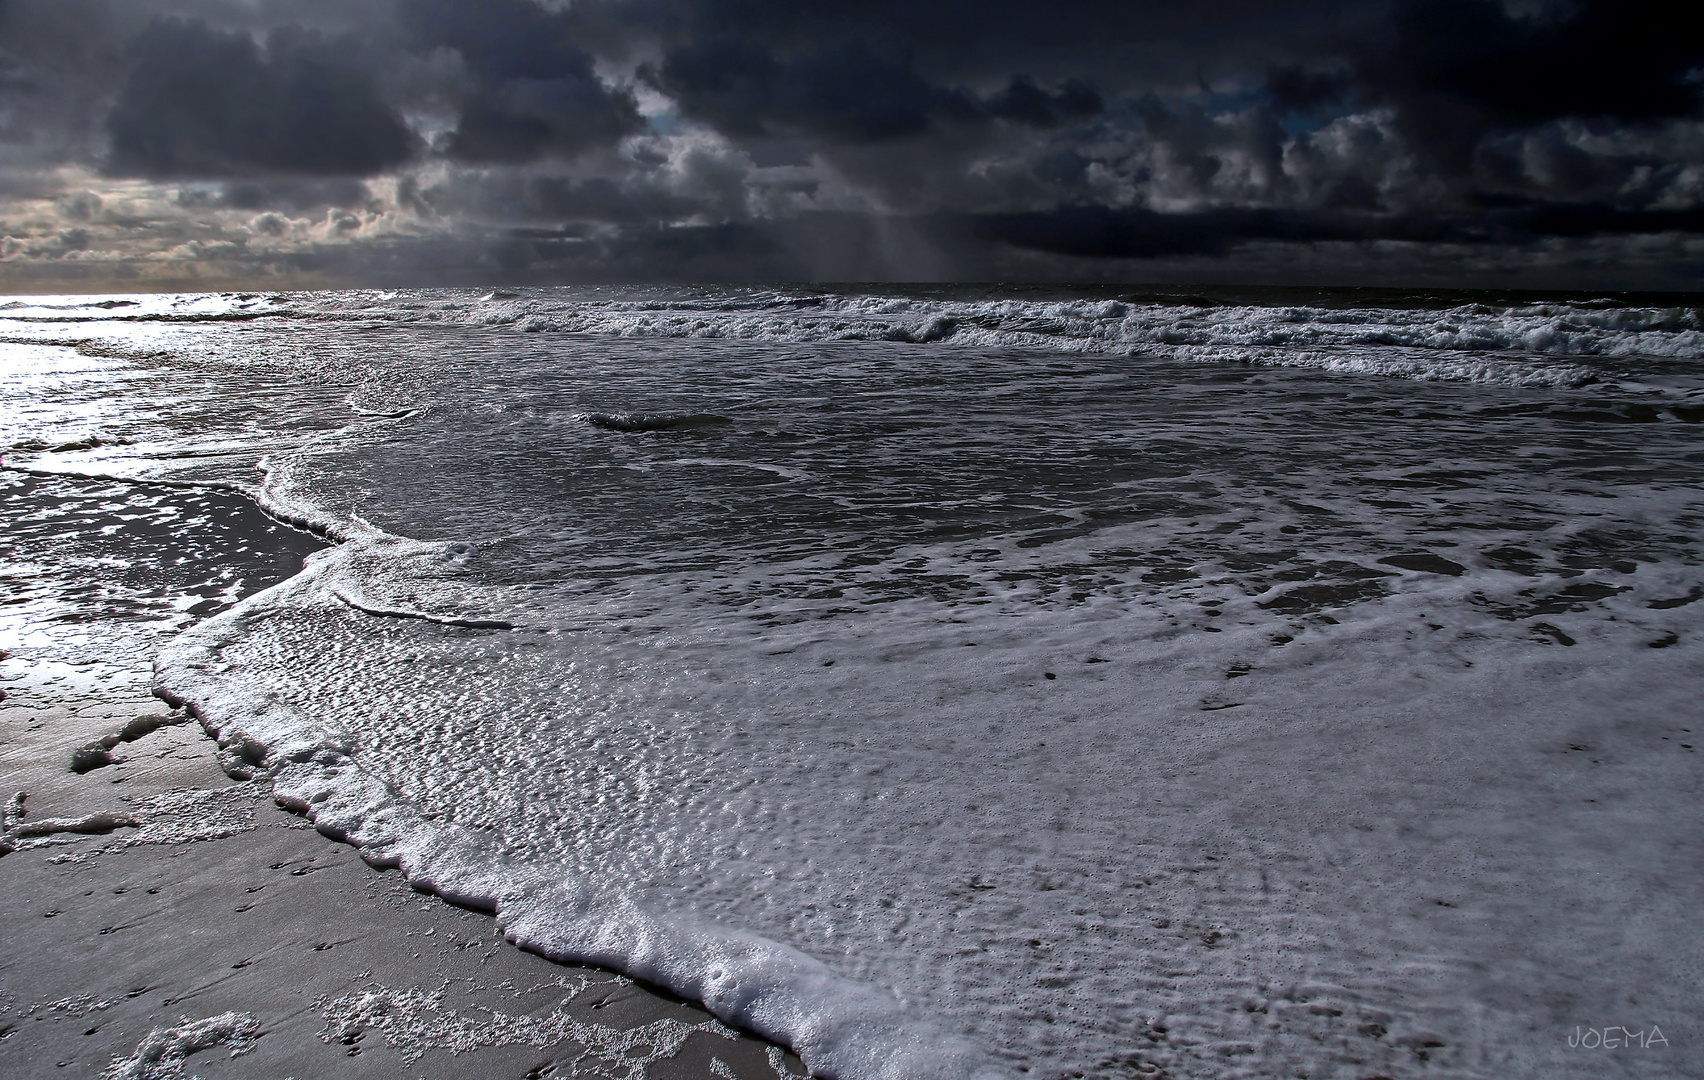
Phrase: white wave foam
(414, 1021)
(163, 1052)
(840, 1027)
(1513, 345)
(1010, 849)
(1508, 346)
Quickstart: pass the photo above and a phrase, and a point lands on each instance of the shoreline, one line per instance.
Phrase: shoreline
(222, 925)
(150, 889)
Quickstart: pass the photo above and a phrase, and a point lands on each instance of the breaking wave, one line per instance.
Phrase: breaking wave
(1517, 345)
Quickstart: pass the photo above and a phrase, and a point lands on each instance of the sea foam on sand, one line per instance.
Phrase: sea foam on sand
(1049, 836)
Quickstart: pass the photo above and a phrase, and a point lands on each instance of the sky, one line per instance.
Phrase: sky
(153, 144)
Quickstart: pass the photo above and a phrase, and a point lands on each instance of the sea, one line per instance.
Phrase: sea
(944, 681)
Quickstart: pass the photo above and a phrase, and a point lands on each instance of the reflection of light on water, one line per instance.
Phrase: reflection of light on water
(125, 306)
(53, 395)
(37, 362)
(97, 565)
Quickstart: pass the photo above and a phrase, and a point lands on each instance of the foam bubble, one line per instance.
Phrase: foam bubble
(162, 1053)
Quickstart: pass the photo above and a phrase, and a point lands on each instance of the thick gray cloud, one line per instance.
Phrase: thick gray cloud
(201, 140)
(202, 102)
(57, 65)
(1467, 60)
(845, 90)
(533, 89)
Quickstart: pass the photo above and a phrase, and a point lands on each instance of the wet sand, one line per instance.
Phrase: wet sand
(218, 921)
(222, 929)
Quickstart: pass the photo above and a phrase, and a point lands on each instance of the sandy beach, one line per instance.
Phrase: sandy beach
(159, 911)
(222, 936)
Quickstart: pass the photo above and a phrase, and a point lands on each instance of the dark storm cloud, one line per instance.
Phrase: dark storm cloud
(1461, 73)
(202, 102)
(1297, 90)
(1496, 126)
(291, 194)
(1025, 102)
(57, 65)
(1627, 59)
(536, 92)
(1418, 112)
(599, 199)
(1099, 232)
(1115, 45)
(863, 138)
(847, 90)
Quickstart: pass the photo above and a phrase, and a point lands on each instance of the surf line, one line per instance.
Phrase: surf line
(843, 1029)
(403, 613)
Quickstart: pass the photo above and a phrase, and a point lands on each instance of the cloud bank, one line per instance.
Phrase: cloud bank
(212, 143)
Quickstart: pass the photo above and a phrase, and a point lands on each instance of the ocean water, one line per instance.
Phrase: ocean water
(957, 681)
